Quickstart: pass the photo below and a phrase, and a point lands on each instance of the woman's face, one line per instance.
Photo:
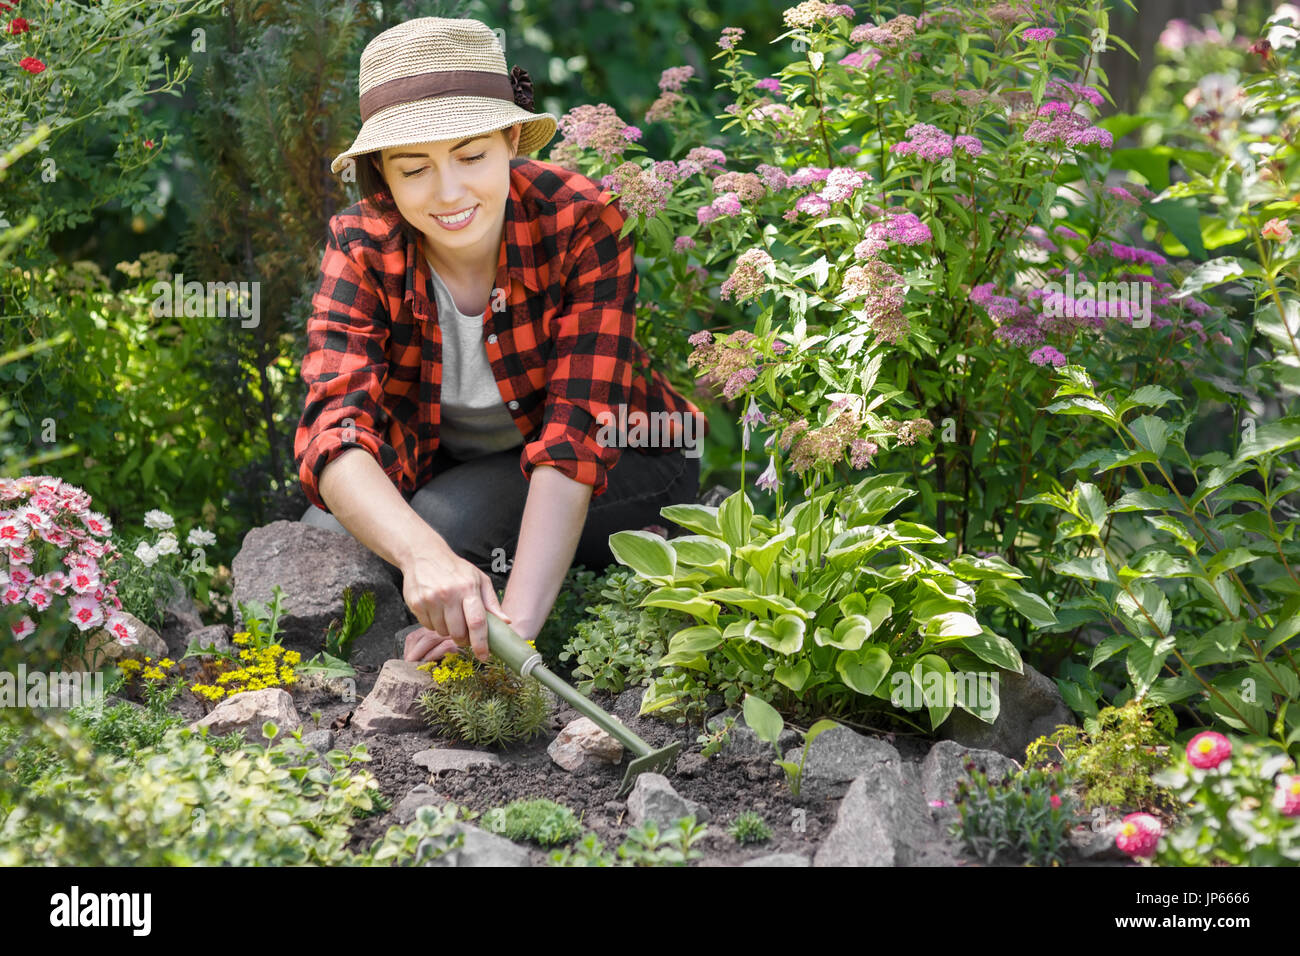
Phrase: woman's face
(467, 180)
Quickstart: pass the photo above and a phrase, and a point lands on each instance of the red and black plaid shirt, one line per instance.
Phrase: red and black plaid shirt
(562, 349)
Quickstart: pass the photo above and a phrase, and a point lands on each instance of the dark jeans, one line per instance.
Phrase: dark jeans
(476, 506)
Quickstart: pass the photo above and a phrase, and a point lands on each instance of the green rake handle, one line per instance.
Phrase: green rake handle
(526, 662)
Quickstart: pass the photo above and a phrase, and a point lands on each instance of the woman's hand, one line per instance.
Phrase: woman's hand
(449, 597)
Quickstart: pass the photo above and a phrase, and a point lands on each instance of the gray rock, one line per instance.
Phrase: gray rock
(743, 742)
(627, 705)
(180, 616)
(653, 798)
(321, 741)
(1030, 707)
(216, 636)
(839, 755)
(436, 761)
(392, 704)
(582, 743)
(248, 711)
(883, 821)
(779, 859)
(483, 849)
(944, 767)
(420, 796)
(313, 566)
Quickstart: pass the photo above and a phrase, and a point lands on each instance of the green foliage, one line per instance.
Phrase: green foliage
(102, 64)
(1027, 816)
(180, 802)
(151, 569)
(646, 845)
(829, 610)
(1197, 580)
(1235, 813)
(544, 822)
(485, 703)
(750, 827)
(357, 619)
(431, 835)
(1112, 761)
(617, 646)
(767, 724)
(673, 845)
(713, 741)
(579, 589)
(379, 805)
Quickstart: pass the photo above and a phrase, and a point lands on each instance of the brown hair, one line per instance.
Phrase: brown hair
(371, 186)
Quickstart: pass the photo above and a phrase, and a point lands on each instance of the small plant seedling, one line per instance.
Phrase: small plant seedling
(750, 827)
(763, 719)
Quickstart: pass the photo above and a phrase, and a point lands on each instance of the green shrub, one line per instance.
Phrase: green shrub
(578, 590)
(1112, 762)
(544, 822)
(483, 703)
(616, 647)
(750, 827)
(183, 802)
(1027, 817)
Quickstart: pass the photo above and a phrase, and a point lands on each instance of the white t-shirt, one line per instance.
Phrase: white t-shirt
(475, 421)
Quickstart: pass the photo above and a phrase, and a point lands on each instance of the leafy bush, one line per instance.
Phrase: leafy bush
(1112, 762)
(183, 802)
(483, 703)
(617, 646)
(1204, 586)
(431, 835)
(544, 822)
(827, 610)
(1242, 811)
(750, 827)
(1027, 816)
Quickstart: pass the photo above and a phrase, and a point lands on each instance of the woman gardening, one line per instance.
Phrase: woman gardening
(471, 340)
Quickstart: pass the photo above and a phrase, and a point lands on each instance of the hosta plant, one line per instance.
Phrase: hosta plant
(830, 610)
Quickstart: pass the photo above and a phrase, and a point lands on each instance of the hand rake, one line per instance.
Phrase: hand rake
(526, 662)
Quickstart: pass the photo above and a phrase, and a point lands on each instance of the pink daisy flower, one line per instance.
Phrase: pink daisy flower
(1139, 835)
(1208, 749)
(86, 613)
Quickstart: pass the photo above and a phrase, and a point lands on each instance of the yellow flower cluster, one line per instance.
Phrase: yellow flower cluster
(150, 670)
(270, 666)
(454, 667)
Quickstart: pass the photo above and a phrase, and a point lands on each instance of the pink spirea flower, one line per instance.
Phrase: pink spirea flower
(1208, 749)
(769, 83)
(1128, 253)
(841, 184)
(1047, 355)
(1039, 34)
(730, 37)
(1139, 835)
(682, 243)
(812, 204)
(705, 215)
(673, 78)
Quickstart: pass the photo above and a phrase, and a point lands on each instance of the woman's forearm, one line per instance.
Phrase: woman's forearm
(554, 515)
(371, 508)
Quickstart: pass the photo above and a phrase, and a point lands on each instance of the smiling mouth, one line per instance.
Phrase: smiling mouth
(453, 218)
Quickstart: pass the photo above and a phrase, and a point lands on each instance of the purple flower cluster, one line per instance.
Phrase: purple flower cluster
(1039, 34)
(1064, 127)
(639, 190)
(888, 34)
(595, 127)
(673, 78)
(905, 228)
(730, 37)
(841, 183)
(1127, 253)
(1075, 91)
(931, 143)
(1045, 355)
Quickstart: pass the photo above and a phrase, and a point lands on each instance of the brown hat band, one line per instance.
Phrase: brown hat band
(422, 86)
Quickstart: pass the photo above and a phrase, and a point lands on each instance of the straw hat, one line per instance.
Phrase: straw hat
(434, 78)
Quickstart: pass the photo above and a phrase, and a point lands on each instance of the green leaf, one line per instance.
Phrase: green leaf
(1212, 273)
(698, 518)
(952, 624)
(794, 676)
(863, 670)
(1108, 647)
(1151, 433)
(1030, 606)
(1184, 221)
(763, 719)
(645, 553)
(701, 551)
(850, 632)
(761, 557)
(995, 649)
(682, 599)
(783, 635)
(1092, 504)
(1145, 658)
(1152, 499)
(735, 516)
(1148, 396)
(1279, 436)
(697, 639)
(934, 664)
(756, 603)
